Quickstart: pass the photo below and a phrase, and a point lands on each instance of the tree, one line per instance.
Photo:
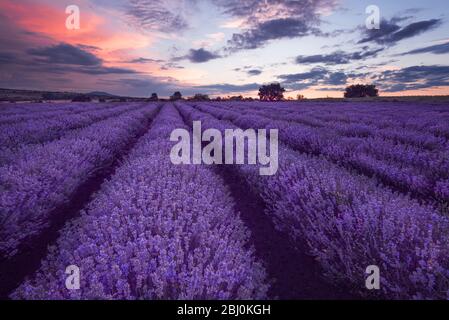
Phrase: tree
(154, 97)
(82, 98)
(200, 97)
(272, 92)
(300, 97)
(48, 96)
(361, 91)
(236, 98)
(176, 96)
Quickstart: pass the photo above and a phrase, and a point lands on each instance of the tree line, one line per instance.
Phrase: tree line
(273, 92)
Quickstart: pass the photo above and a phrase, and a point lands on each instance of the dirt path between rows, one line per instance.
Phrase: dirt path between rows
(296, 275)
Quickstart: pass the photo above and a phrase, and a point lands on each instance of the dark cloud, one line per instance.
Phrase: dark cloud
(274, 19)
(59, 59)
(65, 58)
(255, 10)
(6, 58)
(415, 29)
(244, 68)
(375, 65)
(97, 70)
(227, 88)
(249, 70)
(436, 49)
(269, 30)
(201, 56)
(254, 72)
(338, 57)
(145, 60)
(195, 56)
(65, 54)
(171, 65)
(413, 78)
(390, 32)
(336, 78)
(316, 76)
(410, 78)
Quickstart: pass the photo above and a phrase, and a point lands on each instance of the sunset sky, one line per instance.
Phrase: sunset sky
(225, 47)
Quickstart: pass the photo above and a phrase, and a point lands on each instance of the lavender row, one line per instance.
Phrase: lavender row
(428, 121)
(34, 186)
(348, 222)
(405, 169)
(424, 118)
(31, 138)
(52, 113)
(366, 154)
(431, 122)
(42, 130)
(154, 231)
(354, 126)
(424, 145)
(421, 174)
(28, 107)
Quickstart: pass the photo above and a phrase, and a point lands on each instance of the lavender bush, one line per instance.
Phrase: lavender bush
(32, 109)
(48, 111)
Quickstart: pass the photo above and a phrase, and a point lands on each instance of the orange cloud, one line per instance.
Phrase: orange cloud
(49, 20)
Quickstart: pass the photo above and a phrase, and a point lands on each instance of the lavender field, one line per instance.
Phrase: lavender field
(91, 185)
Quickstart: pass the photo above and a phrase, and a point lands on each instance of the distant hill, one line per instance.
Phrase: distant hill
(100, 94)
(35, 95)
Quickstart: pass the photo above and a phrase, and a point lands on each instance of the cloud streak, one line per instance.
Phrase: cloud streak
(270, 30)
(414, 78)
(64, 53)
(435, 49)
(201, 56)
(197, 56)
(254, 72)
(315, 77)
(338, 57)
(226, 88)
(391, 33)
